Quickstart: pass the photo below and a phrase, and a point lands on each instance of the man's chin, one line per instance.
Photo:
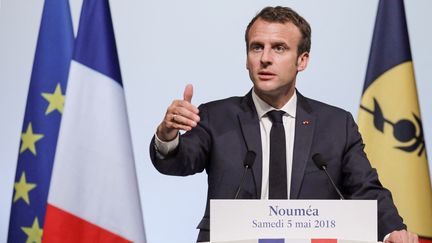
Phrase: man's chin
(266, 87)
(266, 92)
(271, 91)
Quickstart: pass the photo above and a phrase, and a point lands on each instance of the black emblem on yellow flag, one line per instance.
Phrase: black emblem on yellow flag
(404, 130)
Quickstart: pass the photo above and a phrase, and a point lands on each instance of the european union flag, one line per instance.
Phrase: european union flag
(41, 122)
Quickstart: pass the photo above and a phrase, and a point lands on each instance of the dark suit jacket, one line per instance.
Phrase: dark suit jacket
(230, 127)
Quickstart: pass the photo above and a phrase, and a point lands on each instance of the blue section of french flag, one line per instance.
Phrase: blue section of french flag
(95, 42)
(271, 241)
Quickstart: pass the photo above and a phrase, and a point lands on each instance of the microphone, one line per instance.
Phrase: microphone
(322, 165)
(247, 163)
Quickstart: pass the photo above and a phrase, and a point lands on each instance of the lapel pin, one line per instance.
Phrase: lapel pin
(306, 122)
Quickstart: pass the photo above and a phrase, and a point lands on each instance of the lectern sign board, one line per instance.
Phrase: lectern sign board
(294, 241)
(233, 220)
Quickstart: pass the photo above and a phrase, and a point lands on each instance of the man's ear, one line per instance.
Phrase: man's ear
(302, 61)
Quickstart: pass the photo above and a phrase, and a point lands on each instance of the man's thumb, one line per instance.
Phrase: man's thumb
(188, 92)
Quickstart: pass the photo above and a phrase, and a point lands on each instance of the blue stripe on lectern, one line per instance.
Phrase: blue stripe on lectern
(271, 241)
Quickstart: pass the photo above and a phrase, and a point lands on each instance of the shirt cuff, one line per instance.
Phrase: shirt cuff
(386, 237)
(164, 148)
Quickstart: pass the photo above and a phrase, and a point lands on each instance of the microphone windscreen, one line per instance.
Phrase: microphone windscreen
(249, 158)
(319, 161)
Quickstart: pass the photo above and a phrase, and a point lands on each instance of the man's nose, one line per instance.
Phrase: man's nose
(266, 57)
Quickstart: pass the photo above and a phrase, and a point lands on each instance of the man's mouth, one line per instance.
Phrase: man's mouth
(266, 75)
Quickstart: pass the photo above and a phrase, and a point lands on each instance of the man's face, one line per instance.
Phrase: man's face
(273, 61)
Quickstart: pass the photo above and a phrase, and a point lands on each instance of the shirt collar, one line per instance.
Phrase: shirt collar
(262, 107)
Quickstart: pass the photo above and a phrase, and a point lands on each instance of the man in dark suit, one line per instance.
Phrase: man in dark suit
(219, 134)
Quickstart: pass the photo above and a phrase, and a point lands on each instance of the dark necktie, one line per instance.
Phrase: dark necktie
(278, 169)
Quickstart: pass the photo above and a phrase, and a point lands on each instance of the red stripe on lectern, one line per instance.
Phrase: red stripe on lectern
(61, 226)
(423, 240)
(323, 240)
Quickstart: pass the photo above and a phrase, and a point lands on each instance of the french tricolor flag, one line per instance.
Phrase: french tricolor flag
(93, 195)
(295, 241)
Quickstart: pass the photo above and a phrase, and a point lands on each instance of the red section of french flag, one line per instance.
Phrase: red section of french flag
(61, 226)
(323, 240)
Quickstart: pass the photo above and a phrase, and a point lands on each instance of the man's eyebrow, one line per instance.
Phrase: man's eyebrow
(279, 43)
(255, 43)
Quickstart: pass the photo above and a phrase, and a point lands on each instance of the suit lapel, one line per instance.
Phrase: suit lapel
(304, 130)
(249, 123)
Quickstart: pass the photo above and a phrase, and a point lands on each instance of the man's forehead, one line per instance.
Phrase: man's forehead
(265, 30)
(264, 24)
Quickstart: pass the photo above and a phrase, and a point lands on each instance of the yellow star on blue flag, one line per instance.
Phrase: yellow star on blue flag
(29, 140)
(55, 99)
(34, 233)
(22, 189)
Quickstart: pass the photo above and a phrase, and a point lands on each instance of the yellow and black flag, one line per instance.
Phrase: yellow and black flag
(389, 120)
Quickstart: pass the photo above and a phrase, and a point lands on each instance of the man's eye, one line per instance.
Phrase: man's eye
(279, 49)
(256, 48)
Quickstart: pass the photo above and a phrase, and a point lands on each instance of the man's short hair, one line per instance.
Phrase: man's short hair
(284, 15)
